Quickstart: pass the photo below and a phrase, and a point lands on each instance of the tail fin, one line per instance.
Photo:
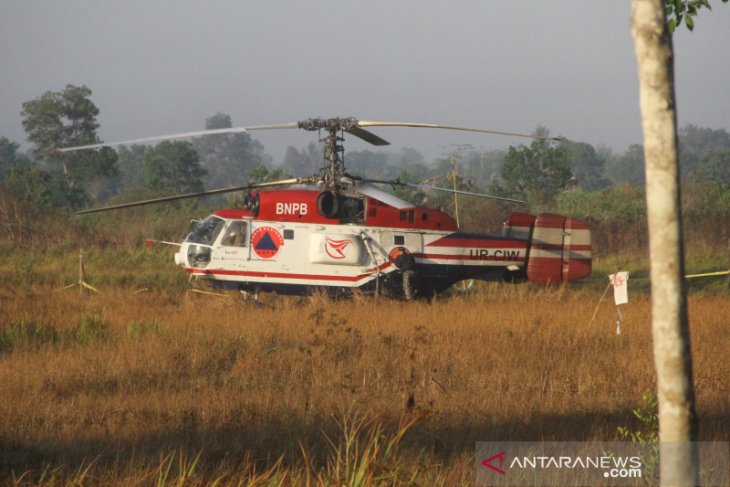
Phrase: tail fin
(559, 247)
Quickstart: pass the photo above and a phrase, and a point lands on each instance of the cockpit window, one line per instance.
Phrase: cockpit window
(235, 235)
(207, 231)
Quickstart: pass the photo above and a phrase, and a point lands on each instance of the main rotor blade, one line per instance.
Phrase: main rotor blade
(438, 188)
(458, 191)
(181, 135)
(383, 196)
(363, 123)
(176, 197)
(367, 136)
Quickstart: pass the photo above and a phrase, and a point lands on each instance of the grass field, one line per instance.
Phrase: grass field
(168, 387)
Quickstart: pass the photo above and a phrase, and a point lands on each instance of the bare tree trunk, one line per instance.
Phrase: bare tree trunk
(670, 325)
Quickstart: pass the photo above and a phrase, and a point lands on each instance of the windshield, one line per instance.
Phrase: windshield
(207, 231)
(235, 235)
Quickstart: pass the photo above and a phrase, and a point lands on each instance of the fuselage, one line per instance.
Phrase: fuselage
(296, 240)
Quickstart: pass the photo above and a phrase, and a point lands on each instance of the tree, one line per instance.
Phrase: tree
(629, 167)
(28, 194)
(228, 159)
(670, 323)
(10, 159)
(30, 186)
(303, 163)
(695, 141)
(537, 172)
(173, 166)
(262, 174)
(678, 10)
(367, 163)
(587, 165)
(715, 167)
(482, 166)
(41, 190)
(131, 165)
(65, 119)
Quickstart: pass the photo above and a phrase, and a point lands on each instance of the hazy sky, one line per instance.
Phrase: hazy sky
(163, 66)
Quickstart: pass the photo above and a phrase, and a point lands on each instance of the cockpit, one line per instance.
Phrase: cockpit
(201, 238)
(206, 231)
(205, 234)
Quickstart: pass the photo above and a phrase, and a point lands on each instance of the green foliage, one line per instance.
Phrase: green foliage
(369, 164)
(24, 270)
(481, 167)
(132, 268)
(622, 203)
(59, 119)
(138, 329)
(366, 455)
(179, 470)
(10, 159)
(587, 165)
(629, 167)
(30, 196)
(64, 119)
(173, 166)
(684, 10)
(536, 173)
(616, 215)
(32, 334)
(262, 174)
(380, 165)
(39, 190)
(708, 199)
(649, 419)
(698, 146)
(715, 166)
(26, 334)
(410, 194)
(647, 436)
(28, 193)
(89, 329)
(228, 159)
(131, 166)
(302, 163)
(695, 143)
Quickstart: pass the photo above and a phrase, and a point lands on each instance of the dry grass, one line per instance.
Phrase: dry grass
(148, 388)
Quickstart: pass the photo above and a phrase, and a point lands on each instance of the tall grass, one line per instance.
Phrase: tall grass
(30, 334)
(169, 387)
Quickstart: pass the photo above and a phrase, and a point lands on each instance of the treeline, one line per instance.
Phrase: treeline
(571, 177)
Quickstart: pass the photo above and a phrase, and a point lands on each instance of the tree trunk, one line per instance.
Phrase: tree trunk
(670, 325)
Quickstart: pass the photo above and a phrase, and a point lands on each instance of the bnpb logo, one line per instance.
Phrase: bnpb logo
(266, 242)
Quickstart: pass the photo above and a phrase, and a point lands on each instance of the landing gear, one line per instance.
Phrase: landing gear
(404, 261)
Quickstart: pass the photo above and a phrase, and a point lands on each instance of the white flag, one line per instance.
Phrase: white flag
(620, 287)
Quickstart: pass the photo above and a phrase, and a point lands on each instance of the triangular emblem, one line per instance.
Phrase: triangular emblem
(266, 243)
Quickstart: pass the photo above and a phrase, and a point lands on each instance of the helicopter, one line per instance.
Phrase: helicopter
(337, 232)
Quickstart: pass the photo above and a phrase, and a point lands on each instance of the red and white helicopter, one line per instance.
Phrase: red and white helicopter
(338, 232)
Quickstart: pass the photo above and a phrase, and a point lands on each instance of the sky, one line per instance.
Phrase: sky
(164, 66)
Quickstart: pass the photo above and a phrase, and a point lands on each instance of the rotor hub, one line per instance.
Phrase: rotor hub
(334, 151)
(329, 124)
